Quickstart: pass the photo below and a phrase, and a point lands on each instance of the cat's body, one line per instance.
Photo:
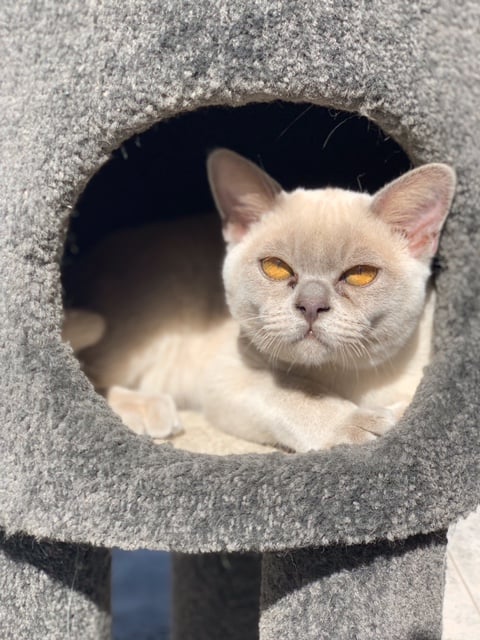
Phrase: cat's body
(162, 310)
(307, 357)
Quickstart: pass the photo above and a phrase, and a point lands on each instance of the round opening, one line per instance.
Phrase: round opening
(160, 175)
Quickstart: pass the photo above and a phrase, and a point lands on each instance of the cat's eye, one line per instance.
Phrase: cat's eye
(360, 276)
(276, 269)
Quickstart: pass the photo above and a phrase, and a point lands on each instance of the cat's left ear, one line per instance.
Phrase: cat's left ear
(241, 190)
(416, 204)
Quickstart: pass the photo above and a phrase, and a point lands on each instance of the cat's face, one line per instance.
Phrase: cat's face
(321, 280)
(326, 276)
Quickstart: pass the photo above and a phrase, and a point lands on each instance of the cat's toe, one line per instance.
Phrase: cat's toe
(398, 408)
(366, 425)
(154, 415)
(161, 417)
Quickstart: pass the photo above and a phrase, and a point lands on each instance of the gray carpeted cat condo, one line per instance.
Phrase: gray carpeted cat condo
(346, 544)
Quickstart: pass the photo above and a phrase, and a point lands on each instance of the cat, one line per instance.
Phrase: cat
(322, 329)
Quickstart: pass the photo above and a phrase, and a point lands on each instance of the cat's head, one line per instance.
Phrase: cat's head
(328, 276)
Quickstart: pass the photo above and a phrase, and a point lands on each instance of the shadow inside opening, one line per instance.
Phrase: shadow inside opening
(160, 174)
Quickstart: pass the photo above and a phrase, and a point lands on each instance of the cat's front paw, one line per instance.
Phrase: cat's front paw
(154, 415)
(365, 425)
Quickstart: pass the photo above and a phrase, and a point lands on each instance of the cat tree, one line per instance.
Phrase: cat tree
(340, 544)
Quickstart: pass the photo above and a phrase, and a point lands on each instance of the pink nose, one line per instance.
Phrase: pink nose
(312, 299)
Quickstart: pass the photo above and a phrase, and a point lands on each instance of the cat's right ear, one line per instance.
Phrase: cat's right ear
(416, 205)
(242, 192)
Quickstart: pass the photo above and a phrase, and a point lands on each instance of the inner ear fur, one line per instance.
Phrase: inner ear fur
(416, 204)
(241, 190)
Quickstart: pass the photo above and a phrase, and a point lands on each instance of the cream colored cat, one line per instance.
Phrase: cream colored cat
(330, 309)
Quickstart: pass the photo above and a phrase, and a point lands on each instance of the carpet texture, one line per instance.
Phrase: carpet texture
(79, 78)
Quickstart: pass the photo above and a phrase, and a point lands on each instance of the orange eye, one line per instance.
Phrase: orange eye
(276, 269)
(360, 276)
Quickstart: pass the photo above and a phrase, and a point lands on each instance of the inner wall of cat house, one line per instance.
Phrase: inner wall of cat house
(159, 177)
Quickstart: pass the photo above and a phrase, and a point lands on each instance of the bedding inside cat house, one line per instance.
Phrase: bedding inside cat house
(332, 544)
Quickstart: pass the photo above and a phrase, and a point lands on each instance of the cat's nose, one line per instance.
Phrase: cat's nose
(312, 299)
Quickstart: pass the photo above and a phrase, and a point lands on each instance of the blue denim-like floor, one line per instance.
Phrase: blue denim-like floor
(140, 595)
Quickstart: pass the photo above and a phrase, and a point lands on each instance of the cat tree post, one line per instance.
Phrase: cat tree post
(386, 590)
(52, 590)
(215, 596)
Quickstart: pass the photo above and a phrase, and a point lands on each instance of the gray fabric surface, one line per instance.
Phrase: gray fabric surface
(53, 591)
(392, 590)
(78, 78)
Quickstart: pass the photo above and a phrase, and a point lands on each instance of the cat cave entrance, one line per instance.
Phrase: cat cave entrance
(160, 175)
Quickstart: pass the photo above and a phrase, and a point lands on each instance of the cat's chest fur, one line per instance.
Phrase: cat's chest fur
(179, 363)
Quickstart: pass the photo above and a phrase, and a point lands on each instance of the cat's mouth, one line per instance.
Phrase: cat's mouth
(309, 335)
(311, 347)
(312, 336)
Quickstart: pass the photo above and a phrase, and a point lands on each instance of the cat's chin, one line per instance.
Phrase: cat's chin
(308, 350)
(312, 350)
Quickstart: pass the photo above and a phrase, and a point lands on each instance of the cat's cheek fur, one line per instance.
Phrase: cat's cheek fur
(406, 301)
(245, 289)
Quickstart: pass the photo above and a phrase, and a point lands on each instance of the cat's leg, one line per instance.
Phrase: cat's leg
(150, 414)
(256, 405)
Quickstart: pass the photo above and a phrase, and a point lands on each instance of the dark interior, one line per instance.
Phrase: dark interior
(161, 172)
